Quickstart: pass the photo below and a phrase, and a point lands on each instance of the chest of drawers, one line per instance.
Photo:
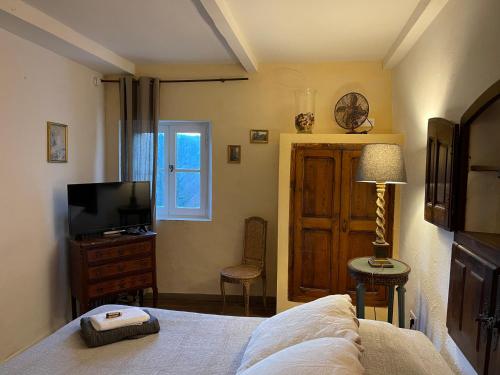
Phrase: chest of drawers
(103, 267)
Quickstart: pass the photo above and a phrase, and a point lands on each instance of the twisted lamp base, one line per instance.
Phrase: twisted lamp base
(380, 246)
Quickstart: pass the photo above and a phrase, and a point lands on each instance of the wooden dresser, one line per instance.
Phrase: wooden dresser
(106, 266)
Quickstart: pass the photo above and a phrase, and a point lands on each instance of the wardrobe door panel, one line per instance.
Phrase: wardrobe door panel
(314, 220)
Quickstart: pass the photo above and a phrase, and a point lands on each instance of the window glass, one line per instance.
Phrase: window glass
(187, 193)
(187, 147)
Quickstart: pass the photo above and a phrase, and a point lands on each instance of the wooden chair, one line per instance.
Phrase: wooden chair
(253, 265)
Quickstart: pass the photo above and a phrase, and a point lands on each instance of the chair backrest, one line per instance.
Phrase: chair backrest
(254, 246)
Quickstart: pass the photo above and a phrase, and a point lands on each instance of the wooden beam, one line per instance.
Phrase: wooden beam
(30, 23)
(225, 23)
(425, 12)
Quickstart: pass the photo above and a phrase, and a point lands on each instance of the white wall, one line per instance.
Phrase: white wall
(36, 86)
(455, 60)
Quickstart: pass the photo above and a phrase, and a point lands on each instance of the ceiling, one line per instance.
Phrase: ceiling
(321, 30)
(232, 31)
(143, 31)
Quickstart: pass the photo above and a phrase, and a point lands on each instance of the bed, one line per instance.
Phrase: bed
(191, 343)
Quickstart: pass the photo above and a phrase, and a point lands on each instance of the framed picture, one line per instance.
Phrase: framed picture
(259, 136)
(57, 142)
(234, 154)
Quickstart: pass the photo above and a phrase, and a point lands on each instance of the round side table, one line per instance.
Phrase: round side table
(363, 273)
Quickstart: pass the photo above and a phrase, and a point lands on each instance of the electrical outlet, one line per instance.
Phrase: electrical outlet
(413, 320)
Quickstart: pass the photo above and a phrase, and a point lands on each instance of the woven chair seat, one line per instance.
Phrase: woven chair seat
(242, 271)
(253, 264)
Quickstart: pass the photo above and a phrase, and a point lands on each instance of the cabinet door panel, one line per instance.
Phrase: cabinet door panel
(316, 253)
(314, 220)
(317, 195)
(469, 296)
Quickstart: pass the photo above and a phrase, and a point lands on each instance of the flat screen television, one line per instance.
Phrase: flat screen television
(110, 206)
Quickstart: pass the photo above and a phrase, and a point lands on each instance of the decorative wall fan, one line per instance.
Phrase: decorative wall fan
(351, 111)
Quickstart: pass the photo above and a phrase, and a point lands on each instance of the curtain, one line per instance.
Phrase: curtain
(139, 116)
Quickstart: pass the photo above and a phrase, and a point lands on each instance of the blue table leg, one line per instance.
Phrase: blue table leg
(390, 307)
(401, 305)
(360, 300)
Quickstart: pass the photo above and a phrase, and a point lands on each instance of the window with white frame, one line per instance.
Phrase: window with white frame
(184, 179)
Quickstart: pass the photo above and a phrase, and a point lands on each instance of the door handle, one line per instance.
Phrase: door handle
(171, 168)
(344, 226)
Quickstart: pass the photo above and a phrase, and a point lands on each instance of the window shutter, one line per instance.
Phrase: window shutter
(441, 173)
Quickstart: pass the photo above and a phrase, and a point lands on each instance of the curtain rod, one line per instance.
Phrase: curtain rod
(186, 80)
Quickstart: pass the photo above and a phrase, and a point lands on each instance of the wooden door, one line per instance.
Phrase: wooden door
(357, 226)
(441, 173)
(314, 220)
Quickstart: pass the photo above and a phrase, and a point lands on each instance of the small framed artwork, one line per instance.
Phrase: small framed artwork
(57, 142)
(259, 136)
(234, 154)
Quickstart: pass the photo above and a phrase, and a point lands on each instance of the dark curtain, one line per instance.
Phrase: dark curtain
(139, 116)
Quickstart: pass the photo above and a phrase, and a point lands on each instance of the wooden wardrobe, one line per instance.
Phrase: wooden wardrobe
(332, 219)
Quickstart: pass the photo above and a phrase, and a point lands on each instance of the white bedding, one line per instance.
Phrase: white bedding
(190, 343)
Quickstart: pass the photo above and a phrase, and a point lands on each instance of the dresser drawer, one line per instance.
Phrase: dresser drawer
(120, 285)
(113, 269)
(97, 255)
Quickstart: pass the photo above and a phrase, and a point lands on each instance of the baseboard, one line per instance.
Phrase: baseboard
(271, 300)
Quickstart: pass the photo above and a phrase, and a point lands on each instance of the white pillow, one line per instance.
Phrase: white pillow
(328, 355)
(331, 316)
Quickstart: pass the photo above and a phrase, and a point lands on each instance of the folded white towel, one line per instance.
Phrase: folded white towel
(128, 317)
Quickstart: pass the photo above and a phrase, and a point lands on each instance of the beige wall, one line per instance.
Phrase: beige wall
(455, 60)
(190, 254)
(38, 85)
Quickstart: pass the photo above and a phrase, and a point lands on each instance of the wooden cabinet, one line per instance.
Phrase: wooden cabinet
(441, 173)
(332, 220)
(473, 317)
(102, 267)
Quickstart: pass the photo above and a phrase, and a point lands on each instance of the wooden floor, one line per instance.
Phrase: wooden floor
(212, 304)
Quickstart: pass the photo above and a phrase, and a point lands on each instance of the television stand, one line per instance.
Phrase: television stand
(108, 266)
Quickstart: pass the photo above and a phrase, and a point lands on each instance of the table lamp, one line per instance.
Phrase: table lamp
(381, 164)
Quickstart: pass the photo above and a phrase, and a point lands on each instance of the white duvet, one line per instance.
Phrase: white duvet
(190, 343)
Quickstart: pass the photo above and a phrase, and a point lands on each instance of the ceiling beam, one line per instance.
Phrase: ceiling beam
(30, 23)
(425, 12)
(225, 23)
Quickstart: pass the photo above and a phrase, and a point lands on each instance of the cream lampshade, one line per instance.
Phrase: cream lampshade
(381, 164)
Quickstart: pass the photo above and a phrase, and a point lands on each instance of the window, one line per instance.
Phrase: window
(184, 180)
